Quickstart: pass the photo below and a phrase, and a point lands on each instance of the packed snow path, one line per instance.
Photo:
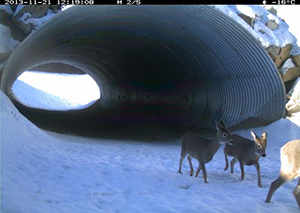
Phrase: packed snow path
(47, 172)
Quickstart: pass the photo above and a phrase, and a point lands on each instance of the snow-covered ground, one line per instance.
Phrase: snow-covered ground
(55, 91)
(47, 172)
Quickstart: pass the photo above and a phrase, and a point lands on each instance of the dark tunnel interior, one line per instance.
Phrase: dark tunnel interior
(165, 68)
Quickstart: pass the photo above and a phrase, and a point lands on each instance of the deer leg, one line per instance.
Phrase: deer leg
(198, 170)
(242, 170)
(191, 165)
(202, 166)
(274, 186)
(258, 174)
(232, 162)
(296, 193)
(226, 160)
(180, 161)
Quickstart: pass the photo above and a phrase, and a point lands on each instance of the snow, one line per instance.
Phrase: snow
(279, 37)
(65, 7)
(48, 172)
(7, 42)
(291, 15)
(55, 91)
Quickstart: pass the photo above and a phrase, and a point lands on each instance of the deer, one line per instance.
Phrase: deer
(289, 169)
(247, 152)
(202, 149)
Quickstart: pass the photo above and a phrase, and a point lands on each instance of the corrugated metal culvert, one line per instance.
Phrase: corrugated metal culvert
(177, 65)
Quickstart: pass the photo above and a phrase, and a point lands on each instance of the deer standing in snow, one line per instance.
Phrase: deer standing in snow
(289, 170)
(247, 152)
(203, 149)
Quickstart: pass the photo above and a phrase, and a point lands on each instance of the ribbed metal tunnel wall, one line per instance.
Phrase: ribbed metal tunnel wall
(179, 65)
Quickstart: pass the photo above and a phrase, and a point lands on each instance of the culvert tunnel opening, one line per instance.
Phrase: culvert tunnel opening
(56, 87)
(167, 66)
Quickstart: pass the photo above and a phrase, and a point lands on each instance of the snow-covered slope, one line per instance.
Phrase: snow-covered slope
(53, 91)
(279, 37)
(47, 172)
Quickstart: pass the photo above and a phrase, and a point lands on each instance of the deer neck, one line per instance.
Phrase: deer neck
(213, 146)
(253, 153)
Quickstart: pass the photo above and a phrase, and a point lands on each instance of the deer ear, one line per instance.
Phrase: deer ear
(222, 123)
(217, 125)
(254, 136)
(264, 135)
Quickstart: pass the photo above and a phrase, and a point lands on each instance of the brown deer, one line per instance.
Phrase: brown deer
(289, 170)
(203, 149)
(247, 152)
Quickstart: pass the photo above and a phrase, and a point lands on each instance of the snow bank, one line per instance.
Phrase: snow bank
(289, 130)
(47, 172)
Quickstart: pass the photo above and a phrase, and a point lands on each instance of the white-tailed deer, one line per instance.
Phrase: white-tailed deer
(203, 149)
(247, 152)
(289, 170)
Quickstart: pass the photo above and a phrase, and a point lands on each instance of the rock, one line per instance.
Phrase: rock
(8, 44)
(55, 8)
(283, 55)
(36, 11)
(2, 66)
(293, 105)
(273, 11)
(279, 55)
(261, 31)
(287, 65)
(3, 16)
(6, 9)
(7, 20)
(273, 51)
(289, 71)
(271, 24)
(291, 74)
(13, 7)
(296, 60)
(247, 19)
(26, 12)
